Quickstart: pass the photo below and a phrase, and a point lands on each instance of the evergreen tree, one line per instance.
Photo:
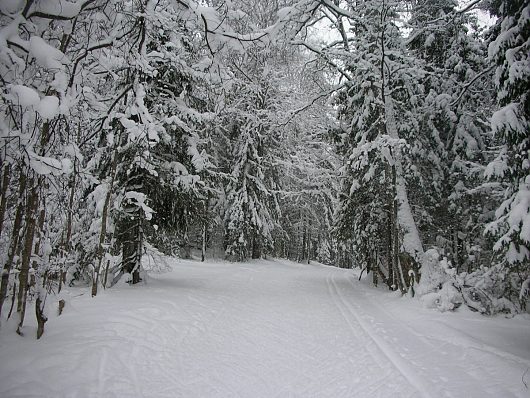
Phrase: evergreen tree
(379, 139)
(251, 196)
(509, 50)
(456, 108)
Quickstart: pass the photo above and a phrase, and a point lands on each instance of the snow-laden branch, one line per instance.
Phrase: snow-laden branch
(324, 56)
(295, 112)
(89, 49)
(57, 10)
(337, 10)
(473, 81)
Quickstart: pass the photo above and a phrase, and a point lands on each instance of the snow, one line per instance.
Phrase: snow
(140, 199)
(11, 6)
(509, 117)
(46, 56)
(45, 165)
(262, 329)
(24, 96)
(63, 8)
(48, 107)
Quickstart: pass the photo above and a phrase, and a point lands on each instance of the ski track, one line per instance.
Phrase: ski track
(389, 354)
(259, 329)
(447, 379)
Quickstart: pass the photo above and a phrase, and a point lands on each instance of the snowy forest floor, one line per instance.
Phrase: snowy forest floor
(263, 329)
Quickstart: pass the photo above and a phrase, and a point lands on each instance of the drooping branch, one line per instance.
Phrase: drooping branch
(104, 44)
(325, 57)
(468, 85)
(48, 15)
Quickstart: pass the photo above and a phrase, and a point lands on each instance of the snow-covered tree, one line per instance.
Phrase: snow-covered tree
(378, 135)
(38, 58)
(509, 50)
(251, 195)
(457, 104)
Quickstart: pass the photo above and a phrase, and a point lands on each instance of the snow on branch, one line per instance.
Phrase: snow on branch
(325, 57)
(54, 9)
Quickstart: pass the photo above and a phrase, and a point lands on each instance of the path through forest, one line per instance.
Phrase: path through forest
(263, 329)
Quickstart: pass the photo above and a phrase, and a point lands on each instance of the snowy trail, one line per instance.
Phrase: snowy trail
(263, 329)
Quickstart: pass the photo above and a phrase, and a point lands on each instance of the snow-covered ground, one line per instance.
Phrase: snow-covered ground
(263, 329)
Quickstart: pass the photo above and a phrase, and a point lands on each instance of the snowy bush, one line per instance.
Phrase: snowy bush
(492, 290)
(154, 260)
(488, 290)
(437, 285)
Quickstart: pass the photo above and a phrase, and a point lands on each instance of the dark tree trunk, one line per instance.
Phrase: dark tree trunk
(66, 244)
(390, 245)
(15, 240)
(41, 318)
(256, 246)
(104, 216)
(132, 244)
(40, 234)
(3, 195)
(26, 253)
(203, 247)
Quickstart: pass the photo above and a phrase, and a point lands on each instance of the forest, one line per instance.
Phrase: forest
(391, 136)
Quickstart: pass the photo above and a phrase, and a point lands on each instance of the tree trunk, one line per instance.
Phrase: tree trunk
(68, 238)
(303, 253)
(12, 300)
(132, 243)
(26, 253)
(3, 195)
(186, 247)
(15, 239)
(103, 231)
(102, 234)
(390, 246)
(309, 242)
(39, 313)
(256, 246)
(106, 274)
(398, 270)
(204, 236)
(40, 233)
(405, 218)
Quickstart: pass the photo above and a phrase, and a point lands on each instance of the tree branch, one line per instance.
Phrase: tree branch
(466, 87)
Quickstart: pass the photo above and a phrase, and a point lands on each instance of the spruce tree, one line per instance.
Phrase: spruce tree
(509, 50)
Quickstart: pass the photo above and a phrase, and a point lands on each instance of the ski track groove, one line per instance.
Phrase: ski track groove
(431, 341)
(392, 356)
(480, 376)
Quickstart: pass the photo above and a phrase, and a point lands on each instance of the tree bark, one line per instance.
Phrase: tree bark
(27, 252)
(35, 265)
(3, 195)
(204, 236)
(68, 238)
(103, 231)
(102, 234)
(15, 239)
(390, 246)
(39, 313)
(256, 246)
